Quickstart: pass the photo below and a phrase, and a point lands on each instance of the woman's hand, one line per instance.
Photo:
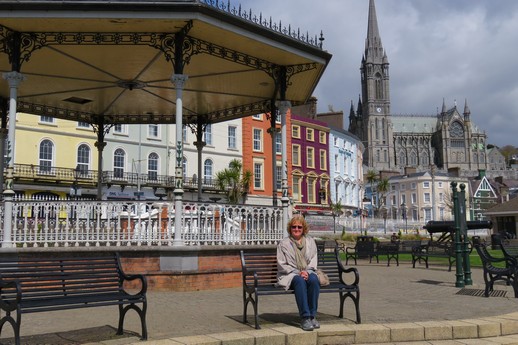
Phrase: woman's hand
(304, 274)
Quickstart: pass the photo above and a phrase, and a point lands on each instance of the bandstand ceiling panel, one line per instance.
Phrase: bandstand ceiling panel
(115, 59)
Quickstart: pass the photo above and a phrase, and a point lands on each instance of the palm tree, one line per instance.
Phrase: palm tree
(382, 188)
(234, 181)
(371, 177)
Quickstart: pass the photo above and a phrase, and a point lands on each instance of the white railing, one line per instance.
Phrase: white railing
(131, 223)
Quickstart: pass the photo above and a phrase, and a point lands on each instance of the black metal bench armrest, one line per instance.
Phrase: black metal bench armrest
(140, 277)
(9, 305)
(342, 270)
(350, 250)
(249, 287)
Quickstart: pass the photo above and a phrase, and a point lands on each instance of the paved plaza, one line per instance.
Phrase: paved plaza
(388, 295)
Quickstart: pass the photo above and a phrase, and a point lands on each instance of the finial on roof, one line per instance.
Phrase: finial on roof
(466, 108)
(443, 106)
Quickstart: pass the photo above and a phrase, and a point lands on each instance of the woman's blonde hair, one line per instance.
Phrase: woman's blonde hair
(299, 219)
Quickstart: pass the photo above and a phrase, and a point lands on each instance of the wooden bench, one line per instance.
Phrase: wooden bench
(408, 246)
(494, 272)
(434, 249)
(31, 284)
(259, 270)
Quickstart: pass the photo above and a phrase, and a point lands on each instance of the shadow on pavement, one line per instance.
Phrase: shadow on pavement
(80, 336)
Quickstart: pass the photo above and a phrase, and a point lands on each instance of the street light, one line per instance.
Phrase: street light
(75, 191)
(403, 206)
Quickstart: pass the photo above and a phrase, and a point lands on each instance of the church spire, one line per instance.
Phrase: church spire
(467, 112)
(373, 48)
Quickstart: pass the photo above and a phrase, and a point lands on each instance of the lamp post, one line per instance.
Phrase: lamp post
(403, 207)
(75, 187)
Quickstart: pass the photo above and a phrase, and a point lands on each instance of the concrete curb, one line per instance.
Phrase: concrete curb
(335, 334)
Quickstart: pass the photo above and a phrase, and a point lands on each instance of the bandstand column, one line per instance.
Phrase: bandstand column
(285, 200)
(179, 81)
(14, 79)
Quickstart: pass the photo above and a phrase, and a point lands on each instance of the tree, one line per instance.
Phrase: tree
(371, 177)
(508, 151)
(336, 208)
(234, 181)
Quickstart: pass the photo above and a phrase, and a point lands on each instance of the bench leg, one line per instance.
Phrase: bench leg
(140, 312)
(249, 298)
(15, 324)
(356, 301)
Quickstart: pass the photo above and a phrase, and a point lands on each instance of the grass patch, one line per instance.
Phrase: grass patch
(474, 259)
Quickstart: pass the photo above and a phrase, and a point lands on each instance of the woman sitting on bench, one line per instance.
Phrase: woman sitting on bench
(297, 262)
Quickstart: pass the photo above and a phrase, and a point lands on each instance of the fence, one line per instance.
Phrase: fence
(66, 223)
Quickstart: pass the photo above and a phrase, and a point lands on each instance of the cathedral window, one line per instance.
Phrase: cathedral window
(413, 159)
(456, 130)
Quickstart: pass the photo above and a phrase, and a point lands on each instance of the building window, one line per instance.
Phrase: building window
(46, 156)
(295, 131)
(414, 198)
(119, 158)
(335, 140)
(323, 160)
(207, 135)
(295, 155)
(81, 124)
(310, 134)
(336, 163)
(297, 180)
(278, 177)
(322, 137)
(439, 184)
(207, 171)
(258, 175)
(152, 130)
(310, 157)
(257, 117)
(46, 119)
(427, 197)
(184, 168)
(83, 158)
(426, 184)
(278, 143)
(184, 133)
(414, 185)
(258, 140)
(119, 129)
(152, 166)
(441, 197)
(311, 190)
(427, 214)
(232, 142)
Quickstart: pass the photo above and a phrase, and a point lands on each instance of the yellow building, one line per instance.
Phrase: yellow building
(52, 156)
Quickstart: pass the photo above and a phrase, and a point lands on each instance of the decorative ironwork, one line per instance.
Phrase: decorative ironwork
(242, 110)
(265, 23)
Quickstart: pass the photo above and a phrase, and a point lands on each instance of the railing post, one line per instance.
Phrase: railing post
(8, 212)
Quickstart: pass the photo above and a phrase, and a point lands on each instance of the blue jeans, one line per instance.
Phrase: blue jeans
(306, 294)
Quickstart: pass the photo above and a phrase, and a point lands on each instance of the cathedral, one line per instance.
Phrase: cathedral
(392, 142)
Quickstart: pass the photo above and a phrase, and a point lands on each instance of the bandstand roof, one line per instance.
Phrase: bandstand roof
(88, 59)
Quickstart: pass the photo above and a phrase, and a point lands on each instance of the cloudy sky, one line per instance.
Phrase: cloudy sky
(451, 49)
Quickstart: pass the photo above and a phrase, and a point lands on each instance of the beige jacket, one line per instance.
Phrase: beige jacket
(287, 264)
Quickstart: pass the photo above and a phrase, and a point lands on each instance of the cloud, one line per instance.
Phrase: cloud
(456, 50)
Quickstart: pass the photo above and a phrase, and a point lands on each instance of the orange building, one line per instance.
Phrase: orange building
(258, 153)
